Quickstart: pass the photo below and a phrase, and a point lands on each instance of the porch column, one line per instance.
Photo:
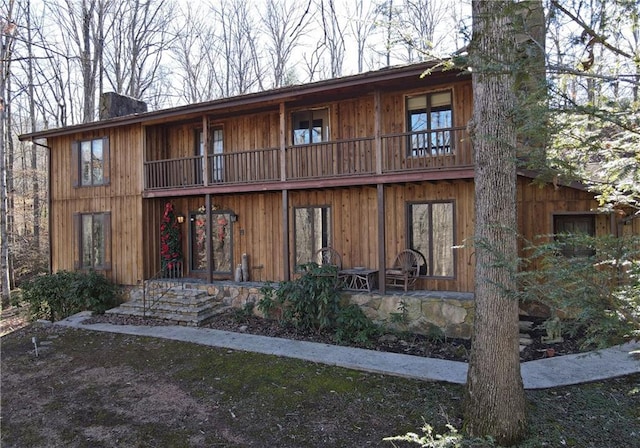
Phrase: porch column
(205, 155)
(283, 144)
(382, 253)
(378, 139)
(207, 206)
(285, 234)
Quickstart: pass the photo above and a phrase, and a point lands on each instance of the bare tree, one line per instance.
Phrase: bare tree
(420, 20)
(82, 28)
(136, 40)
(389, 14)
(333, 36)
(236, 49)
(362, 24)
(285, 23)
(193, 41)
(313, 62)
(8, 29)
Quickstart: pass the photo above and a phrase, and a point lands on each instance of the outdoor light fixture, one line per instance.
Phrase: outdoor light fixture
(180, 218)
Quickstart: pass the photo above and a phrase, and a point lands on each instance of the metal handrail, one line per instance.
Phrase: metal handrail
(175, 272)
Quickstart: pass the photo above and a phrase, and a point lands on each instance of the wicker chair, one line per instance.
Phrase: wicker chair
(404, 271)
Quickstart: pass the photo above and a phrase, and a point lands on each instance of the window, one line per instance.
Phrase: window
(429, 122)
(312, 229)
(93, 232)
(310, 126)
(431, 232)
(91, 162)
(221, 243)
(216, 149)
(572, 229)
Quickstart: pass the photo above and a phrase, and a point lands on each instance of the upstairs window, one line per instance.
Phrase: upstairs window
(429, 122)
(216, 150)
(90, 159)
(310, 126)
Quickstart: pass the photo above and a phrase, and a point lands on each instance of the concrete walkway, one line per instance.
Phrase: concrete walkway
(544, 373)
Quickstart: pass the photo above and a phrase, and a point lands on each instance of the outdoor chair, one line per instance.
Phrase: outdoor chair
(405, 269)
(328, 256)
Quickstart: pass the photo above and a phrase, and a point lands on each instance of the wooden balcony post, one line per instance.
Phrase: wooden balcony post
(285, 234)
(378, 140)
(205, 156)
(283, 144)
(382, 253)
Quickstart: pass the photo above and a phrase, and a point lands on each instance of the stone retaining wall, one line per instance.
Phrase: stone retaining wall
(423, 312)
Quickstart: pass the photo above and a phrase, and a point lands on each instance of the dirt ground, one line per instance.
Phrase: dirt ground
(11, 319)
(94, 389)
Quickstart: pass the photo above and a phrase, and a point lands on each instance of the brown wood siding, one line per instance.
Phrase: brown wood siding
(255, 131)
(257, 232)
(461, 193)
(122, 197)
(538, 204)
(353, 222)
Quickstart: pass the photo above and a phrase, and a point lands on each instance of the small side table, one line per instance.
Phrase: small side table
(358, 279)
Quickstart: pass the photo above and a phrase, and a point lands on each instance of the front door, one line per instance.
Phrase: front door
(221, 243)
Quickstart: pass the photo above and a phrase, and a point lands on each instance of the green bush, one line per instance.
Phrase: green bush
(312, 303)
(56, 296)
(353, 325)
(597, 294)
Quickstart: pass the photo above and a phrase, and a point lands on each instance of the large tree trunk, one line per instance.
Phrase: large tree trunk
(495, 403)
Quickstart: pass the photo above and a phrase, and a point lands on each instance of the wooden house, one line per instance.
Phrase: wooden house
(368, 165)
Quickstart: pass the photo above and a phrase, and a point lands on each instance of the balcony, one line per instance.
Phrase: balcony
(444, 149)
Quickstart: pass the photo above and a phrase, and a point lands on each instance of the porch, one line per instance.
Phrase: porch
(192, 302)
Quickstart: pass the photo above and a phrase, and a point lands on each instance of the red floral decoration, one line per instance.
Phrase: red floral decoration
(170, 239)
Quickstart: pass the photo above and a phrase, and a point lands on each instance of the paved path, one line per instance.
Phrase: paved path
(540, 374)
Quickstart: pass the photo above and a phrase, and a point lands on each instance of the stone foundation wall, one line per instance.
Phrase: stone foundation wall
(423, 312)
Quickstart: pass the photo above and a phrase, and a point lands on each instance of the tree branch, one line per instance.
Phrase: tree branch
(598, 38)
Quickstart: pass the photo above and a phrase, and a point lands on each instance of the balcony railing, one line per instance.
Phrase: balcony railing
(425, 150)
(261, 165)
(331, 159)
(409, 151)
